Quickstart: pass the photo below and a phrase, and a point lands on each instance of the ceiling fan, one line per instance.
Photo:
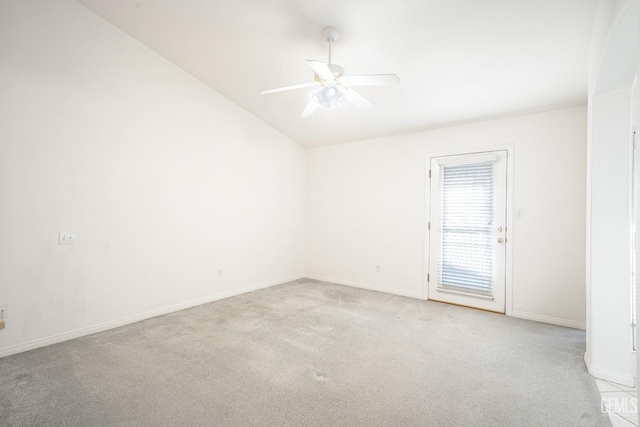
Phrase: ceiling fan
(334, 87)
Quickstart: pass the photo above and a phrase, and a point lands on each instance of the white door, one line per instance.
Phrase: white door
(467, 230)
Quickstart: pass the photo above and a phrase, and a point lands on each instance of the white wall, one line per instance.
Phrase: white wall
(636, 126)
(366, 207)
(163, 180)
(609, 177)
(610, 342)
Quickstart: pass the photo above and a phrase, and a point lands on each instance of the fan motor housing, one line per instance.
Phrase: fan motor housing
(336, 69)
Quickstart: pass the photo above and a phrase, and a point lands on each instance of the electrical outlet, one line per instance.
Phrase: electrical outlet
(66, 238)
(377, 269)
(4, 309)
(220, 273)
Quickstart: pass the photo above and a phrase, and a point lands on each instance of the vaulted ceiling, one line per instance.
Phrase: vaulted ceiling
(458, 60)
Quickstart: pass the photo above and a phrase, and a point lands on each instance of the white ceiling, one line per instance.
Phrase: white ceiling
(458, 60)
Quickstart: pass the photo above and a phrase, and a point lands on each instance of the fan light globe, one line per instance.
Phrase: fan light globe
(329, 96)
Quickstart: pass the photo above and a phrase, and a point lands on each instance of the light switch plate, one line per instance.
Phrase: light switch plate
(66, 238)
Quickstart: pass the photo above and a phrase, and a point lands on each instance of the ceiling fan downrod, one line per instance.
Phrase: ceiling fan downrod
(331, 34)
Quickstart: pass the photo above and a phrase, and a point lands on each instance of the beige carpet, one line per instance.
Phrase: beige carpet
(308, 353)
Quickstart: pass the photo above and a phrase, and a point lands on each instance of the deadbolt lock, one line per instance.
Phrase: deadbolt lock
(500, 240)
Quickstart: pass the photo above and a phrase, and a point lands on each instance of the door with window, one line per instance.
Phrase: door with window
(467, 230)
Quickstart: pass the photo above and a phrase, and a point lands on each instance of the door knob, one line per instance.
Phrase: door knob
(500, 240)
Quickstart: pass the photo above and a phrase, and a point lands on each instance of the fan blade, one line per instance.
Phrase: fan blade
(371, 80)
(282, 89)
(321, 69)
(310, 109)
(358, 101)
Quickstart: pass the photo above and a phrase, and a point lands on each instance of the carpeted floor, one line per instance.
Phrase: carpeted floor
(308, 353)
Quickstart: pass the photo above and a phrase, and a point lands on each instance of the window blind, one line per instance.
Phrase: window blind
(466, 232)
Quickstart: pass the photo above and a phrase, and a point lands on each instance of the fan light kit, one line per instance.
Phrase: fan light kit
(334, 87)
(329, 96)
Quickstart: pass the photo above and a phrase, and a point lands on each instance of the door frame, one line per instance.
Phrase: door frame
(510, 149)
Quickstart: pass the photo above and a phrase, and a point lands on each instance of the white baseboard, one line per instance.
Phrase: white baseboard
(366, 286)
(603, 374)
(66, 336)
(549, 319)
